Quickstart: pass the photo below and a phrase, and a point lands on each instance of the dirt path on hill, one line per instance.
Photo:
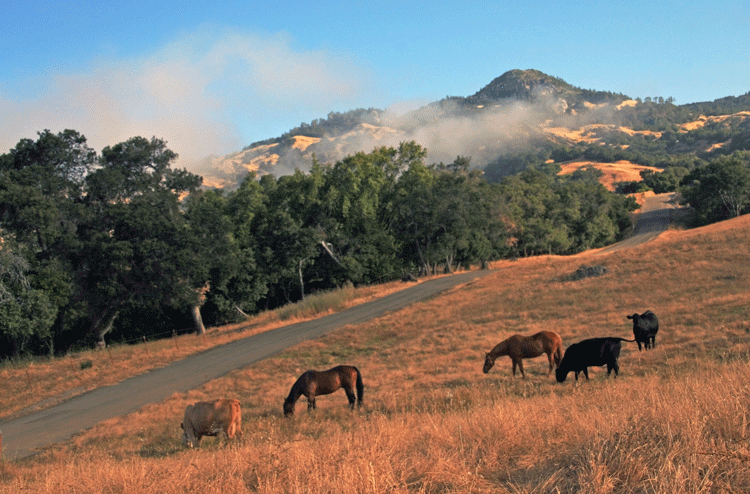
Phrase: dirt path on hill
(22, 436)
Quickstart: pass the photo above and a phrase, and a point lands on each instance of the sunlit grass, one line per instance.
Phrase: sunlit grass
(675, 421)
(42, 382)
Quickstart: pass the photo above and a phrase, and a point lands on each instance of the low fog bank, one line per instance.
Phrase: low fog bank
(447, 129)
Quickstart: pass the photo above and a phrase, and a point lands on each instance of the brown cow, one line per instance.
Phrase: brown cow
(211, 418)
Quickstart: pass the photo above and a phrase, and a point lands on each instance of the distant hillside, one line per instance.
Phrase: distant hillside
(519, 119)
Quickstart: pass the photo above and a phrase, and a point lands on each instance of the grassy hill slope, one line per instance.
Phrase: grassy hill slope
(675, 420)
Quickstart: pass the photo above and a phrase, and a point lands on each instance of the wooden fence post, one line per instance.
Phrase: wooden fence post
(146, 346)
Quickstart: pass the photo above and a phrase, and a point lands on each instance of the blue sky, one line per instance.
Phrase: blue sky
(212, 77)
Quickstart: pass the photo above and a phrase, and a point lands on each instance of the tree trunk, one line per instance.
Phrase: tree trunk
(327, 248)
(449, 264)
(104, 325)
(425, 265)
(195, 311)
(241, 311)
(301, 281)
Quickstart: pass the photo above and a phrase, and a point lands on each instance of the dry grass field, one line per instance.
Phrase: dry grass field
(674, 421)
(35, 384)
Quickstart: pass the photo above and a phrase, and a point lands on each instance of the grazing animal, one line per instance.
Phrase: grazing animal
(314, 383)
(592, 352)
(645, 327)
(519, 347)
(211, 418)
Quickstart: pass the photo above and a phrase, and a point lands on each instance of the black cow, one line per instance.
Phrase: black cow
(592, 352)
(645, 327)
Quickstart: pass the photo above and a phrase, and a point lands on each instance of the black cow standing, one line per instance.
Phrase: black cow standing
(645, 327)
(587, 353)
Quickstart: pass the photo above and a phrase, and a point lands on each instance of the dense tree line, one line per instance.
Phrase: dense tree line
(118, 245)
(720, 189)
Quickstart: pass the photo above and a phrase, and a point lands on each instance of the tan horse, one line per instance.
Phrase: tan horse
(519, 347)
(315, 383)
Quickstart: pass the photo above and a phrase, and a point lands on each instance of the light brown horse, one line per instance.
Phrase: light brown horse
(314, 383)
(519, 347)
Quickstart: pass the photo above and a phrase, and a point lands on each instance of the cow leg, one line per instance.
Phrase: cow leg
(235, 428)
(586, 372)
(613, 366)
(639, 345)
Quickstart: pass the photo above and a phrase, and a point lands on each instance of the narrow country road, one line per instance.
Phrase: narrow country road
(22, 436)
(654, 216)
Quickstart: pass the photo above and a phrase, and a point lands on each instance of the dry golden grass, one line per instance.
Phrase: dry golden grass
(612, 173)
(35, 384)
(675, 420)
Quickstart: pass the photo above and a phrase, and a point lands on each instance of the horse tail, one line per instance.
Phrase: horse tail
(558, 354)
(360, 388)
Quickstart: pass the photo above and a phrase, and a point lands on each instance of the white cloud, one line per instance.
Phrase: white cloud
(195, 92)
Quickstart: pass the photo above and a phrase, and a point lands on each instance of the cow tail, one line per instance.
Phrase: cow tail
(360, 388)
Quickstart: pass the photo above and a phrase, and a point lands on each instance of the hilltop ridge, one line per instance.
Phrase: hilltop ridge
(521, 111)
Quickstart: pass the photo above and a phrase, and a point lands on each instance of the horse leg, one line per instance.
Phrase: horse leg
(520, 367)
(549, 358)
(351, 397)
(311, 403)
(514, 368)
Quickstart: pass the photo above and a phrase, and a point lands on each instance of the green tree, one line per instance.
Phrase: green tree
(136, 245)
(26, 313)
(290, 241)
(209, 253)
(720, 189)
(246, 207)
(41, 208)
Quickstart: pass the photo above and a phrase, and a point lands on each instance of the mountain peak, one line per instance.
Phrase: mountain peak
(520, 84)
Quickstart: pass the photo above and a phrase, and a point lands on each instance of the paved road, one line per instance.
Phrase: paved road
(22, 436)
(654, 217)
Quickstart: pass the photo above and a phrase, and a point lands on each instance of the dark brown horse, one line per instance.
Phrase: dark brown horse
(315, 383)
(519, 347)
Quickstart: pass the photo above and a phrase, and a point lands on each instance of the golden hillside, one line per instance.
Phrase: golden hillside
(674, 421)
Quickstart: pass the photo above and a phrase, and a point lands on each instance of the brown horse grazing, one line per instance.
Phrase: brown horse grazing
(519, 347)
(315, 383)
